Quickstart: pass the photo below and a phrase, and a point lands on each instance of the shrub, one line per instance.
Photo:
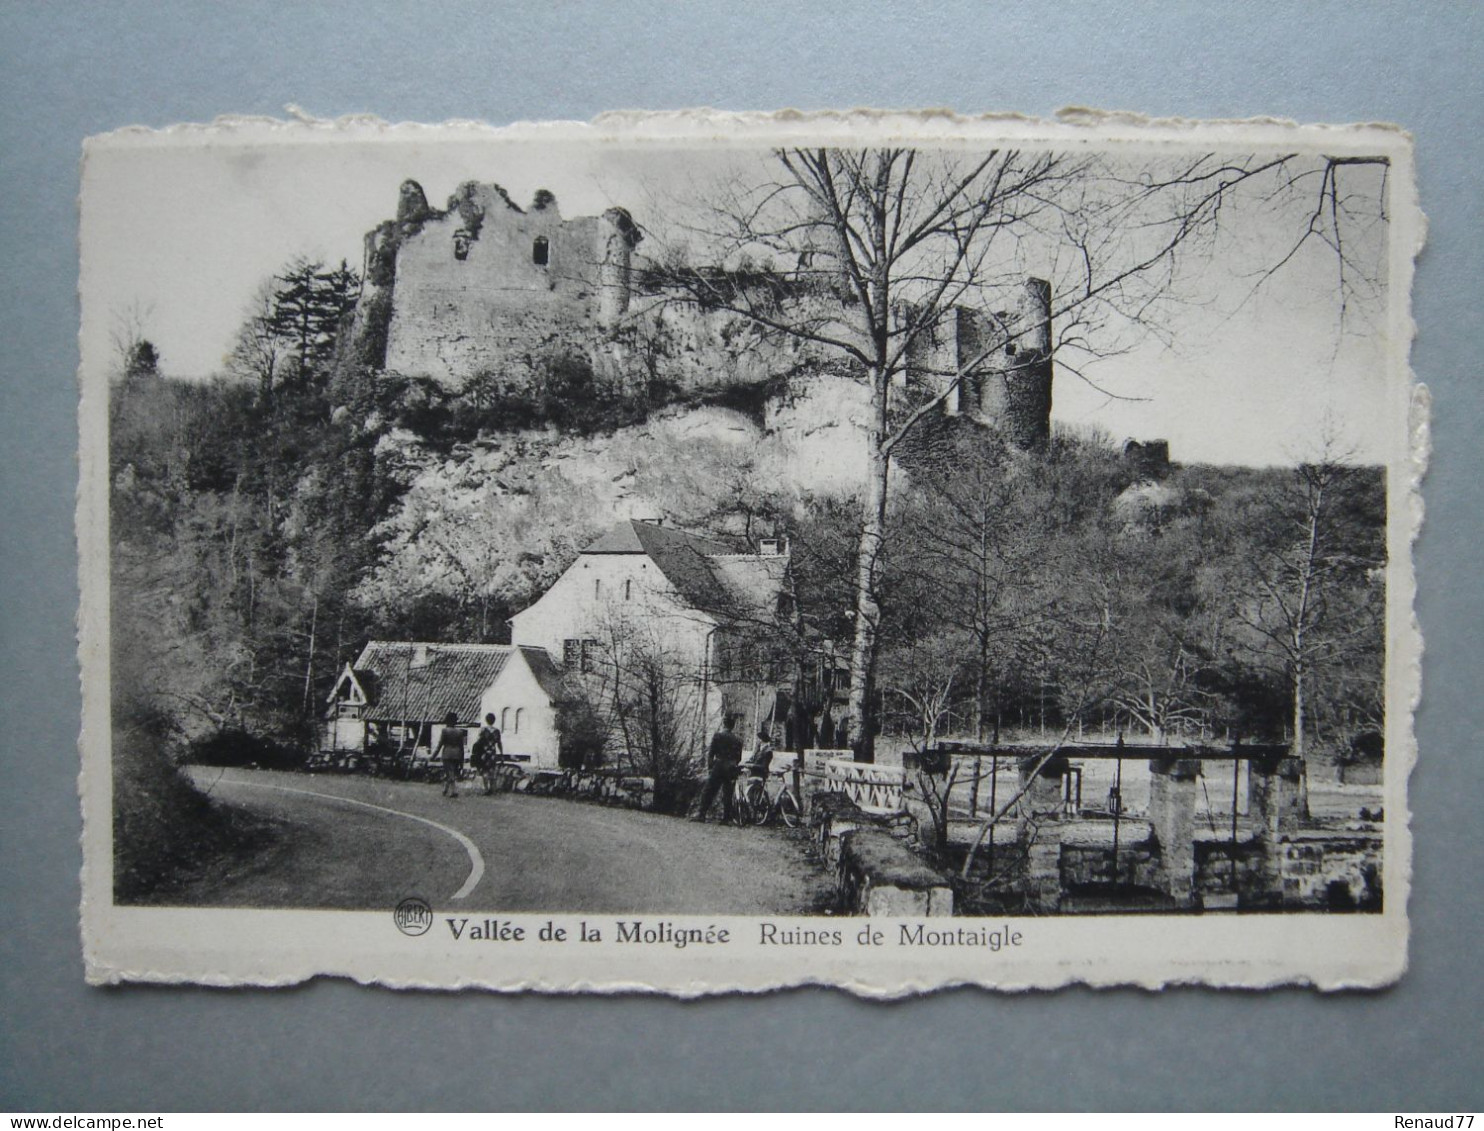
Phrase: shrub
(164, 829)
(582, 734)
(231, 747)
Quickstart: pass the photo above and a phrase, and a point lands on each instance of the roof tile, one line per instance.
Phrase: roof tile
(454, 678)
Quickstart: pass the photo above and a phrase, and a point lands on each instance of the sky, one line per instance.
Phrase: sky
(178, 231)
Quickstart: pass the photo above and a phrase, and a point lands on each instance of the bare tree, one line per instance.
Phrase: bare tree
(650, 693)
(127, 340)
(258, 353)
(983, 558)
(1305, 559)
(921, 678)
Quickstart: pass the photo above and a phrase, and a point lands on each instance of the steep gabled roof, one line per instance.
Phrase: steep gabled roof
(635, 536)
(547, 674)
(367, 679)
(363, 680)
(709, 574)
(683, 558)
(453, 678)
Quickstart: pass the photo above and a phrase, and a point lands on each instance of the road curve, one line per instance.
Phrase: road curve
(476, 860)
(353, 842)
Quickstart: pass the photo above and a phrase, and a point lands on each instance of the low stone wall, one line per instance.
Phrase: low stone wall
(1138, 865)
(831, 816)
(877, 873)
(1316, 869)
(1075, 858)
(1213, 870)
(1336, 871)
(628, 791)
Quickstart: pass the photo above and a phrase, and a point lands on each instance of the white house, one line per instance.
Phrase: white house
(714, 613)
(399, 692)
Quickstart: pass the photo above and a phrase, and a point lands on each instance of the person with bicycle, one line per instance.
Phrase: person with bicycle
(762, 758)
(723, 762)
(752, 787)
(489, 749)
(756, 805)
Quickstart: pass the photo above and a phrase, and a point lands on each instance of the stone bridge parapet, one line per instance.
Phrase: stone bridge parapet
(877, 873)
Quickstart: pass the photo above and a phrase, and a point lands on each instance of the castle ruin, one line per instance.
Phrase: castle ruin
(487, 288)
(449, 293)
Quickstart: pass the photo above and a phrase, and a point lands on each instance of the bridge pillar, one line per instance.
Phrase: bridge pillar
(1173, 783)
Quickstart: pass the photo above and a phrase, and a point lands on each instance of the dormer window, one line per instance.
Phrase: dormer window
(540, 251)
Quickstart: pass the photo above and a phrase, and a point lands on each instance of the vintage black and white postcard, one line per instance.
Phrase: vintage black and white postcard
(698, 553)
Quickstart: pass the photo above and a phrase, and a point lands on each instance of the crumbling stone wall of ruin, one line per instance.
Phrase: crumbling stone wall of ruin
(469, 294)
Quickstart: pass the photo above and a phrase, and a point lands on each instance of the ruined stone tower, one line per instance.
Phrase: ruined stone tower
(1026, 372)
(1007, 383)
(618, 235)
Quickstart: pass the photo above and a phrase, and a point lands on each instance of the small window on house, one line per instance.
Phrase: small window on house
(540, 251)
(597, 587)
(505, 719)
(519, 711)
(628, 589)
(461, 245)
(580, 655)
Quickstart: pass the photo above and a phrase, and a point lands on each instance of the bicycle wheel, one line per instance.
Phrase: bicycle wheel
(757, 802)
(741, 811)
(788, 809)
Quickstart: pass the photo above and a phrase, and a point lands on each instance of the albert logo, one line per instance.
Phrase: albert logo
(413, 916)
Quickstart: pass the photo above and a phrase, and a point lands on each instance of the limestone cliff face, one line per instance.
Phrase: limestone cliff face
(504, 516)
(815, 435)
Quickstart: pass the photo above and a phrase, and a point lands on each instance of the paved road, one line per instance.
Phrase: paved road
(347, 842)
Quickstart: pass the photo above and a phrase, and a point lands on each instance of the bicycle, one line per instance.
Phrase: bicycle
(756, 806)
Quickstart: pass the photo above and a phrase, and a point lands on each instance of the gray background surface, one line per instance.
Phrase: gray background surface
(68, 71)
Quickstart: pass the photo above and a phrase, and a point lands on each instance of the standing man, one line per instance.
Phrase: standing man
(723, 761)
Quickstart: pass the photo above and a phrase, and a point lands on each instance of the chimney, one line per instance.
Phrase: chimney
(419, 655)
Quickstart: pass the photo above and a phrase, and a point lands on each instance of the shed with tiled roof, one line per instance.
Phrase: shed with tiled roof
(400, 692)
